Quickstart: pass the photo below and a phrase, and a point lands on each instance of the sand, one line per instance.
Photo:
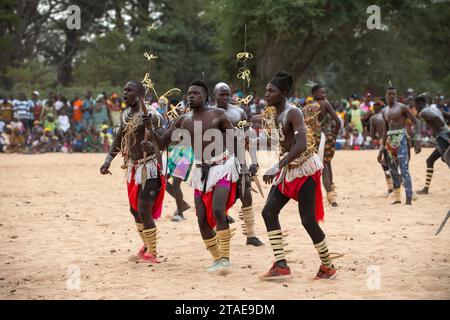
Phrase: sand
(66, 233)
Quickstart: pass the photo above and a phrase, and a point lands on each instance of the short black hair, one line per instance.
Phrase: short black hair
(315, 88)
(139, 86)
(200, 83)
(420, 99)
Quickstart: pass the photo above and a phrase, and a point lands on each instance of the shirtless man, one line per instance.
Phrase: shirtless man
(395, 141)
(236, 115)
(145, 181)
(214, 174)
(327, 116)
(296, 176)
(377, 128)
(435, 120)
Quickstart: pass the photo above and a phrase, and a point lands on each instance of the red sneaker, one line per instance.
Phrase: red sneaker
(326, 273)
(276, 274)
(141, 251)
(148, 257)
(138, 256)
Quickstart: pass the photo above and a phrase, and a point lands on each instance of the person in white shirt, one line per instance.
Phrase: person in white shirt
(63, 122)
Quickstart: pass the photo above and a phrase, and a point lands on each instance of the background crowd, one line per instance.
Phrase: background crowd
(86, 124)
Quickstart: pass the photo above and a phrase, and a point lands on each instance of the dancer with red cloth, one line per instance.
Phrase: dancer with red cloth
(145, 181)
(215, 171)
(296, 176)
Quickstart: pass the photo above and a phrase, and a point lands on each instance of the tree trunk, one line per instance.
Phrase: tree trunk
(70, 49)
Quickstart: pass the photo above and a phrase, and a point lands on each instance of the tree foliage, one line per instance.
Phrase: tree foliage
(321, 40)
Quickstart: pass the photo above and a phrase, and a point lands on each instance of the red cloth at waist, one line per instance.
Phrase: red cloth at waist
(207, 199)
(291, 190)
(133, 195)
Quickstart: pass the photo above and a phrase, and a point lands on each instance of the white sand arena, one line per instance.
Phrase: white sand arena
(59, 214)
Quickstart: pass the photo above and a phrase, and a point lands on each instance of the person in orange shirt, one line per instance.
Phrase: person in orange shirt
(77, 115)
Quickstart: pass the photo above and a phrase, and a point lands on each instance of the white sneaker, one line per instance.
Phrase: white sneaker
(214, 267)
(225, 267)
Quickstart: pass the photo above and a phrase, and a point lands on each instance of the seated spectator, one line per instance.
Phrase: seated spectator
(106, 138)
(50, 123)
(79, 144)
(93, 142)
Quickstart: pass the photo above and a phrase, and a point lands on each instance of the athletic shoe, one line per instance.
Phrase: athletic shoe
(177, 218)
(136, 257)
(254, 241)
(224, 266)
(326, 273)
(149, 258)
(423, 191)
(141, 251)
(214, 267)
(276, 274)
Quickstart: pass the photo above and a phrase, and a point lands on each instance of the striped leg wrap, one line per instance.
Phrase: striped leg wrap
(212, 245)
(322, 250)
(150, 240)
(276, 242)
(389, 182)
(248, 228)
(429, 176)
(140, 228)
(224, 243)
(397, 196)
(331, 196)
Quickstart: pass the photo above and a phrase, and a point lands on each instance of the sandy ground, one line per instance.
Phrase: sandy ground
(60, 218)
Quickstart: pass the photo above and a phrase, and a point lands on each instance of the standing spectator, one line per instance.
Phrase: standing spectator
(48, 108)
(77, 115)
(22, 109)
(36, 105)
(100, 113)
(2, 124)
(115, 109)
(63, 122)
(6, 110)
(58, 103)
(355, 116)
(88, 108)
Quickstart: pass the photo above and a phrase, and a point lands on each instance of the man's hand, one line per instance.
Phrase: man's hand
(147, 147)
(253, 169)
(104, 169)
(270, 175)
(417, 146)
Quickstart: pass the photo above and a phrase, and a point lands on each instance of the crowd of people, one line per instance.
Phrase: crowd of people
(57, 124)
